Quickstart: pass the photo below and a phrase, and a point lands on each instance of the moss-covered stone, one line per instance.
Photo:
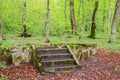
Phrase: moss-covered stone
(9, 58)
(75, 58)
(35, 59)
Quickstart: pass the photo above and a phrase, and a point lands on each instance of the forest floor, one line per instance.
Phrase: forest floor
(101, 40)
(103, 66)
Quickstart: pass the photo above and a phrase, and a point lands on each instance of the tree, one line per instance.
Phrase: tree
(47, 23)
(0, 29)
(83, 16)
(89, 16)
(72, 17)
(114, 22)
(104, 17)
(109, 15)
(78, 20)
(93, 26)
(65, 7)
(24, 34)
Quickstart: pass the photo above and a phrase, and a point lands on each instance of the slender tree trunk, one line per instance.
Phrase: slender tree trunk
(89, 14)
(109, 15)
(103, 24)
(0, 29)
(78, 13)
(47, 23)
(104, 18)
(65, 7)
(24, 18)
(24, 34)
(82, 26)
(93, 27)
(72, 17)
(83, 16)
(114, 22)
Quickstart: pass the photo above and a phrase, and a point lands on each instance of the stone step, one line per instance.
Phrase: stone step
(52, 51)
(66, 71)
(56, 60)
(62, 63)
(60, 68)
(60, 54)
(47, 47)
(56, 57)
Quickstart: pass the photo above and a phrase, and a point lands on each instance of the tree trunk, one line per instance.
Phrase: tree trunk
(24, 34)
(65, 7)
(72, 17)
(104, 18)
(89, 19)
(47, 23)
(109, 15)
(0, 29)
(93, 26)
(103, 24)
(114, 22)
(83, 26)
(24, 18)
(78, 20)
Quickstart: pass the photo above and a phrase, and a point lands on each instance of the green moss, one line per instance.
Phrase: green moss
(3, 66)
(3, 78)
(35, 59)
(49, 63)
(5, 54)
(67, 62)
(67, 69)
(43, 73)
(9, 58)
(73, 55)
(52, 71)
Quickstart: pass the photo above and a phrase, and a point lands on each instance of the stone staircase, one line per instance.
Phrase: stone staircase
(58, 59)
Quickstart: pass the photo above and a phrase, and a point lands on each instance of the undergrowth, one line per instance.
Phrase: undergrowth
(101, 40)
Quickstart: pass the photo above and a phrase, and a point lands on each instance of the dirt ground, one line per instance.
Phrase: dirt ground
(102, 66)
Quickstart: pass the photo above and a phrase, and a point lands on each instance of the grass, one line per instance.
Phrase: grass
(101, 40)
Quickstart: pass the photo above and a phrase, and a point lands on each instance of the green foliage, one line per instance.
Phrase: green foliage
(1, 49)
(43, 73)
(2, 78)
(52, 71)
(11, 12)
(101, 40)
(2, 66)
